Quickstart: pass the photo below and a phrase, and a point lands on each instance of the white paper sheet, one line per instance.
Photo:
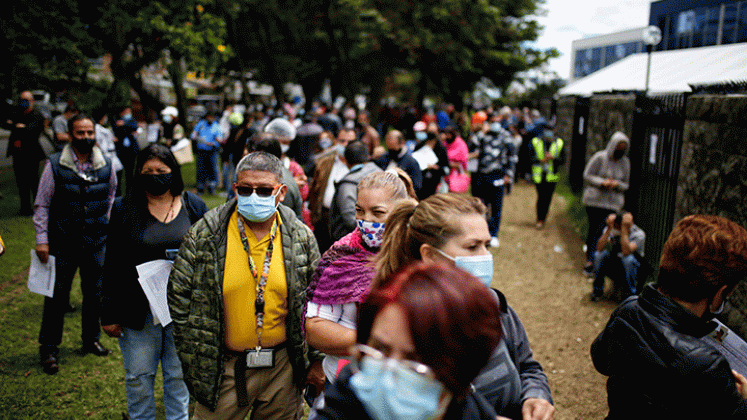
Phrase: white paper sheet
(154, 277)
(41, 275)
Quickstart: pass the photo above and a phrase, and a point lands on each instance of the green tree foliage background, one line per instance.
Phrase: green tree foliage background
(446, 45)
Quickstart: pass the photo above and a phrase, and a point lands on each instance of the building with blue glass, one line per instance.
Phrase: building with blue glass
(699, 23)
(683, 24)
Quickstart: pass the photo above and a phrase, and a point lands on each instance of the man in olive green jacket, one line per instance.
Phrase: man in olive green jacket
(199, 307)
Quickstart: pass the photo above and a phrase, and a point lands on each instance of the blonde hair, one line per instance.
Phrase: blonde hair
(410, 224)
(397, 183)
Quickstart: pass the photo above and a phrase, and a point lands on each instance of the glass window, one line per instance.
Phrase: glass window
(686, 22)
(741, 25)
(730, 23)
(710, 26)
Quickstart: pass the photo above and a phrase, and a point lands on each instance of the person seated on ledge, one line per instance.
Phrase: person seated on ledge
(617, 255)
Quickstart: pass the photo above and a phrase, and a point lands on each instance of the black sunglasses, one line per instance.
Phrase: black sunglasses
(261, 191)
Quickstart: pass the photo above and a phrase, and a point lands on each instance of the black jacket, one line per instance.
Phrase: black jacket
(122, 298)
(407, 163)
(340, 403)
(658, 368)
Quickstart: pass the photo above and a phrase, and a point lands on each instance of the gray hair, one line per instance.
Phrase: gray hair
(261, 161)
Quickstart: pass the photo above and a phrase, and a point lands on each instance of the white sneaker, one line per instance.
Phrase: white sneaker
(494, 242)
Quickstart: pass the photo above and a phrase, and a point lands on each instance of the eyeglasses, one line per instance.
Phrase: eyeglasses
(363, 351)
(261, 191)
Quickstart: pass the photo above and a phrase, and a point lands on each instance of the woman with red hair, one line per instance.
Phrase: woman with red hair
(422, 339)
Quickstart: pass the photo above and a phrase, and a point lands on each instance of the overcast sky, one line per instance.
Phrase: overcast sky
(566, 21)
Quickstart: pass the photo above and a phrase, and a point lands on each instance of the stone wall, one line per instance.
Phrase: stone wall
(713, 174)
(607, 114)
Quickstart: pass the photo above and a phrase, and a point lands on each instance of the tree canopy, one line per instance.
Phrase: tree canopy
(447, 45)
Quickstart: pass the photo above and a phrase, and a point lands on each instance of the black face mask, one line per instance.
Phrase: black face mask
(617, 154)
(83, 146)
(156, 184)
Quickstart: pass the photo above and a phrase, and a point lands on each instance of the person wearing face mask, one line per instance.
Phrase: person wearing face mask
(342, 214)
(171, 130)
(328, 169)
(345, 271)
(26, 125)
(71, 214)
(456, 149)
(106, 141)
(606, 179)
(451, 229)
(618, 255)
(431, 156)
(236, 298)
(147, 225)
(495, 171)
(399, 157)
(422, 338)
(125, 128)
(652, 350)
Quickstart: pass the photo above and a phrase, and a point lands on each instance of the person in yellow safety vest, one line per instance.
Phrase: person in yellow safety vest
(547, 157)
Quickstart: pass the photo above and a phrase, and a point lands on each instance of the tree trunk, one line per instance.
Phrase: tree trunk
(177, 79)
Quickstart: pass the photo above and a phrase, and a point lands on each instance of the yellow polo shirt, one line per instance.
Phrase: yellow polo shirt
(240, 290)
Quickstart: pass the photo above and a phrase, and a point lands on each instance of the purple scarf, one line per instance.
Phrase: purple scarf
(344, 273)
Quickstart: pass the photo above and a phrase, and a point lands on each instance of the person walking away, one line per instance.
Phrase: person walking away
(652, 350)
(236, 297)
(496, 165)
(345, 272)
(76, 193)
(147, 225)
(617, 255)
(26, 125)
(208, 135)
(607, 177)
(548, 156)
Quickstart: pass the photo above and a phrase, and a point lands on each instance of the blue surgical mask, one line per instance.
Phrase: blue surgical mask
(371, 232)
(421, 135)
(480, 266)
(388, 390)
(496, 127)
(255, 208)
(340, 149)
(167, 119)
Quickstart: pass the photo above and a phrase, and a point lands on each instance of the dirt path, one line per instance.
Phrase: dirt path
(539, 271)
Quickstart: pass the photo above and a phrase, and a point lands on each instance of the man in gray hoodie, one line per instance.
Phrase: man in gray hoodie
(607, 177)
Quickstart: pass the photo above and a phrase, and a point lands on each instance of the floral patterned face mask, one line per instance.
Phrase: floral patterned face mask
(371, 232)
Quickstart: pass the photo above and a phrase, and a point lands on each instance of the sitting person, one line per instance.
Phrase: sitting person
(423, 337)
(652, 348)
(617, 255)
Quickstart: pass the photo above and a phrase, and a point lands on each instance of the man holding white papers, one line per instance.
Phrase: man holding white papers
(71, 212)
(146, 230)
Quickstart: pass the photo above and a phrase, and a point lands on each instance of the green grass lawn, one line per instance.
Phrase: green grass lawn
(86, 386)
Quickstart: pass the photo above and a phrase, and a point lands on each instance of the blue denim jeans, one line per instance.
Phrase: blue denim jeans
(141, 352)
(207, 170)
(618, 267)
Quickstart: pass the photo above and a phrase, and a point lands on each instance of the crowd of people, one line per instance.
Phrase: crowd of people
(351, 265)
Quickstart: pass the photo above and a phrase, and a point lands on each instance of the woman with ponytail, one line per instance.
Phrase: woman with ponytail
(451, 229)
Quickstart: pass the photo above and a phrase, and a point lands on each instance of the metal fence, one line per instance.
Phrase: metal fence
(659, 122)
